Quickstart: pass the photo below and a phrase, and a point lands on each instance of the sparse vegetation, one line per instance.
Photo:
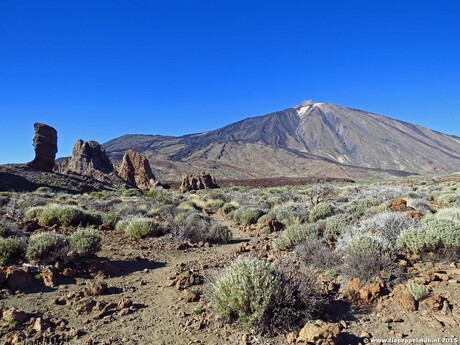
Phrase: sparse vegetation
(86, 241)
(47, 248)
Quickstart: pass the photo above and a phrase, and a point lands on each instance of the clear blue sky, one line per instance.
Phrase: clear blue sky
(100, 69)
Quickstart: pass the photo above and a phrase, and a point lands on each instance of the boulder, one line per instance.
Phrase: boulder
(136, 171)
(18, 278)
(319, 332)
(45, 143)
(196, 182)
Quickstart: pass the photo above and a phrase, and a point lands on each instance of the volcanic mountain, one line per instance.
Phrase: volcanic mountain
(311, 139)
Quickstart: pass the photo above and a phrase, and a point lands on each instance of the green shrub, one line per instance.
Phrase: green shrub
(447, 199)
(228, 208)
(243, 290)
(435, 233)
(132, 192)
(10, 248)
(47, 248)
(138, 227)
(110, 219)
(335, 226)
(86, 241)
(63, 215)
(293, 235)
(43, 190)
(219, 233)
(452, 213)
(247, 216)
(418, 291)
(321, 211)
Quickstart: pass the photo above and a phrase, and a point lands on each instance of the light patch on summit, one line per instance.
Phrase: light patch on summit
(303, 107)
(302, 110)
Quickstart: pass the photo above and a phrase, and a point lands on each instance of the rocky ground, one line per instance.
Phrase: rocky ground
(146, 292)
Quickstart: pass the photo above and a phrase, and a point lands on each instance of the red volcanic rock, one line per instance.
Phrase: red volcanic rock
(135, 169)
(45, 143)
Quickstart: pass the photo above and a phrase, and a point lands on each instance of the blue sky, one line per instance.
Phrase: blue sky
(101, 69)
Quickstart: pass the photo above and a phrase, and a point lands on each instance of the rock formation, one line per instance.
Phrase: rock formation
(88, 159)
(195, 182)
(135, 169)
(45, 143)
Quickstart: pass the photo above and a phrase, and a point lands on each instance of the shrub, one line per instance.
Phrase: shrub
(86, 241)
(364, 256)
(228, 208)
(219, 233)
(314, 252)
(418, 291)
(290, 215)
(335, 225)
(321, 211)
(192, 227)
(63, 215)
(47, 248)
(132, 192)
(295, 301)
(387, 224)
(43, 190)
(243, 290)
(138, 227)
(247, 216)
(110, 219)
(435, 233)
(447, 199)
(294, 235)
(452, 213)
(10, 248)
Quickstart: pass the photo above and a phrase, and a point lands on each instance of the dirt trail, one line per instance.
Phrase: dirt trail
(162, 312)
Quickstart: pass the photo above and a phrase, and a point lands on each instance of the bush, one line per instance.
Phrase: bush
(138, 227)
(364, 256)
(132, 192)
(219, 233)
(295, 301)
(10, 248)
(418, 291)
(447, 199)
(435, 233)
(321, 211)
(387, 224)
(314, 252)
(335, 226)
(86, 241)
(47, 248)
(246, 216)
(192, 227)
(243, 290)
(294, 235)
(228, 208)
(63, 215)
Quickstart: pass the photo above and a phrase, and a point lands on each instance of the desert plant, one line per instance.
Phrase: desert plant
(229, 207)
(243, 290)
(335, 225)
(365, 255)
(418, 291)
(247, 216)
(295, 301)
(138, 227)
(219, 233)
(47, 248)
(448, 198)
(294, 235)
(131, 192)
(10, 248)
(86, 241)
(314, 252)
(321, 211)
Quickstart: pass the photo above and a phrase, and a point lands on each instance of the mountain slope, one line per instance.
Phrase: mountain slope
(311, 139)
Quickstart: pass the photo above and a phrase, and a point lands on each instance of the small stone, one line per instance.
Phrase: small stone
(291, 337)
(407, 302)
(14, 315)
(365, 334)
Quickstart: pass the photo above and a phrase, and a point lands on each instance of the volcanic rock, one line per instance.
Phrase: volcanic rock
(196, 182)
(88, 159)
(45, 143)
(135, 169)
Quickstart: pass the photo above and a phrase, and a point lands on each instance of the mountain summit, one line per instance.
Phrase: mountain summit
(310, 139)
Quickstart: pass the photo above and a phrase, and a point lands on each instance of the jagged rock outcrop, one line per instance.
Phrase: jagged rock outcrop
(45, 143)
(88, 159)
(195, 182)
(135, 169)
